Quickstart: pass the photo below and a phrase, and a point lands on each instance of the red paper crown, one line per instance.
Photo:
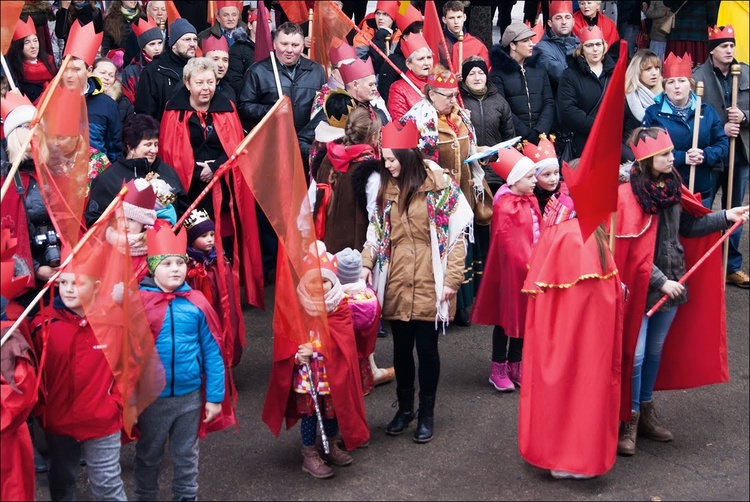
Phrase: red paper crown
(340, 51)
(83, 42)
(65, 119)
(412, 15)
(390, 8)
(212, 43)
(252, 16)
(220, 4)
(144, 197)
(542, 155)
(560, 7)
(11, 286)
(164, 241)
(715, 33)
(511, 165)
(319, 255)
(675, 66)
(441, 82)
(87, 261)
(24, 30)
(141, 26)
(590, 33)
(397, 138)
(415, 42)
(11, 101)
(648, 147)
(357, 70)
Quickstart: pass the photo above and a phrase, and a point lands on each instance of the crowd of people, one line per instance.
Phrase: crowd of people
(437, 196)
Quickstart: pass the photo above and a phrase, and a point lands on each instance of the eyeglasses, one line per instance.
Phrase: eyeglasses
(452, 95)
(597, 45)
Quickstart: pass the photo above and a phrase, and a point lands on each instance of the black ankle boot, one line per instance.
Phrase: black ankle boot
(425, 419)
(404, 415)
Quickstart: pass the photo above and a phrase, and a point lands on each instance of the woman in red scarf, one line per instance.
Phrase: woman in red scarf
(32, 68)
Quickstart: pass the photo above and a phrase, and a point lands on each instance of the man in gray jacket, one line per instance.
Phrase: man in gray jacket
(717, 91)
(558, 41)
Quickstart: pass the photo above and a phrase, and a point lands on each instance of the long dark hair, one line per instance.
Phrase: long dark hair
(411, 177)
(15, 59)
(114, 20)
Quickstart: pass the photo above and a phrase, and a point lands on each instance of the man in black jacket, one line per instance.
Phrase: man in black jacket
(162, 76)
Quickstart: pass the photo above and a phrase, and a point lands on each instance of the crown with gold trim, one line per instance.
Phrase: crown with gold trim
(648, 146)
(441, 82)
(196, 217)
(721, 33)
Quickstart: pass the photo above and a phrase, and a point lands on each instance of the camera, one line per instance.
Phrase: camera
(46, 238)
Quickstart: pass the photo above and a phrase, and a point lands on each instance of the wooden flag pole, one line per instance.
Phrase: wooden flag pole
(8, 74)
(460, 52)
(736, 70)
(310, 30)
(612, 231)
(696, 130)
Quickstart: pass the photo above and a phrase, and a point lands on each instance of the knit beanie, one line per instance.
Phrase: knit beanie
(178, 29)
(350, 265)
(149, 36)
(138, 203)
(470, 65)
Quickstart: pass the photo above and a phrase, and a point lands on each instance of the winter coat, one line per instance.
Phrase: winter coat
(528, 92)
(85, 15)
(370, 31)
(108, 41)
(711, 139)
(159, 80)
(217, 31)
(579, 97)
(714, 95)
(187, 349)
(553, 52)
(656, 13)
(491, 116)
(259, 93)
(105, 125)
(402, 96)
(79, 396)
(241, 56)
(472, 47)
(388, 76)
(691, 22)
(608, 27)
(105, 187)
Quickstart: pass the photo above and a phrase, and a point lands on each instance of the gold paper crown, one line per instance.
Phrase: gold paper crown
(339, 122)
(196, 217)
(163, 189)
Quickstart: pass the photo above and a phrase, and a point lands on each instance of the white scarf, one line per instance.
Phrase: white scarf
(313, 306)
(640, 99)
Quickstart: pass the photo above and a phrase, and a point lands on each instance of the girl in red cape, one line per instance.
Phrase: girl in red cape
(514, 230)
(336, 376)
(569, 406)
(659, 230)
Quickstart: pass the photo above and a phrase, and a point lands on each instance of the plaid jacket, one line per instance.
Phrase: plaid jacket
(693, 20)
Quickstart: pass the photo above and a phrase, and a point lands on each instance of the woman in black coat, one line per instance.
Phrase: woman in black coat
(582, 86)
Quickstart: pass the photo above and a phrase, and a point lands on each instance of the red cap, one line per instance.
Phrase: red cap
(590, 33)
(511, 165)
(340, 51)
(648, 147)
(252, 16)
(11, 101)
(164, 241)
(715, 33)
(560, 7)
(357, 70)
(65, 118)
(542, 155)
(415, 42)
(396, 137)
(675, 66)
(212, 43)
(24, 30)
(83, 42)
(412, 15)
(390, 8)
(440, 82)
(221, 4)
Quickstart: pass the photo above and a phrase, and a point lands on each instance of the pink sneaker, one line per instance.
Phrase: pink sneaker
(515, 372)
(499, 378)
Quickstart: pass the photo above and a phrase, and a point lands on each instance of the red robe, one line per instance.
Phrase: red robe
(695, 351)
(342, 368)
(608, 27)
(14, 219)
(568, 414)
(175, 148)
(472, 47)
(500, 301)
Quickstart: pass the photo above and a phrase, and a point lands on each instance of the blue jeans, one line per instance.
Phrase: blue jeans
(102, 457)
(741, 170)
(648, 354)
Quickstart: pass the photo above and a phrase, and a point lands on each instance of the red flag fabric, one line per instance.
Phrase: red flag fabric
(172, 12)
(329, 22)
(593, 184)
(433, 34)
(11, 15)
(296, 11)
(263, 41)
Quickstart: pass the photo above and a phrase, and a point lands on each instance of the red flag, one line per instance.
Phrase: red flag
(172, 12)
(329, 22)
(263, 41)
(11, 15)
(433, 34)
(593, 184)
(296, 11)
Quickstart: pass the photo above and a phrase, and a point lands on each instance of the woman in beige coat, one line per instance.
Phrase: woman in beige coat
(414, 256)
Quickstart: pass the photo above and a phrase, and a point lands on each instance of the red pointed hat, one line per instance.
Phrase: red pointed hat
(66, 117)
(389, 7)
(590, 33)
(648, 147)
(675, 66)
(87, 261)
(396, 137)
(542, 155)
(83, 42)
(140, 194)
(415, 42)
(164, 242)
(556, 7)
(10, 102)
(511, 165)
(220, 4)
(24, 30)
(340, 51)
(441, 82)
(141, 26)
(412, 15)
(356, 70)
(212, 43)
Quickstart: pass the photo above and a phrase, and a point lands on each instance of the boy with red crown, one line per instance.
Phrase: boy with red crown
(188, 340)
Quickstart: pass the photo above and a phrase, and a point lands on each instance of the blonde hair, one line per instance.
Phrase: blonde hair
(15, 142)
(642, 60)
(197, 65)
(579, 50)
(360, 128)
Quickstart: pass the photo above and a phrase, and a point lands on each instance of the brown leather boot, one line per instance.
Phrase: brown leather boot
(628, 433)
(313, 464)
(337, 457)
(649, 426)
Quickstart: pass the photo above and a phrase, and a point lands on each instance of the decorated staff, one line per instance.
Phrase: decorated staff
(696, 130)
(736, 70)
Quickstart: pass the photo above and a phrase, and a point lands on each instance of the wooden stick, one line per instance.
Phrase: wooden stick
(460, 52)
(40, 111)
(696, 130)
(612, 231)
(8, 75)
(736, 70)
(276, 74)
(388, 44)
(695, 267)
(310, 30)
(66, 262)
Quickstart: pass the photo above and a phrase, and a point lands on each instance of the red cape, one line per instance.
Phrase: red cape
(695, 351)
(500, 301)
(342, 368)
(175, 149)
(155, 305)
(568, 414)
(14, 218)
(608, 27)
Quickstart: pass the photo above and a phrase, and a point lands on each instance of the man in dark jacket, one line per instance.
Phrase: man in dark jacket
(227, 20)
(557, 43)
(162, 76)
(242, 53)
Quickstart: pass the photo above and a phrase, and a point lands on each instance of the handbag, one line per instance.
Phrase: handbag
(483, 207)
(566, 153)
(666, 24)
(642, 39)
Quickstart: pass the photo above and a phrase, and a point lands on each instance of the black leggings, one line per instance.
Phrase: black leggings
(502, 350)
(425, 336)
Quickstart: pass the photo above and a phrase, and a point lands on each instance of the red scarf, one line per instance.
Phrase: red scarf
(36, 73)
(342, 156)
